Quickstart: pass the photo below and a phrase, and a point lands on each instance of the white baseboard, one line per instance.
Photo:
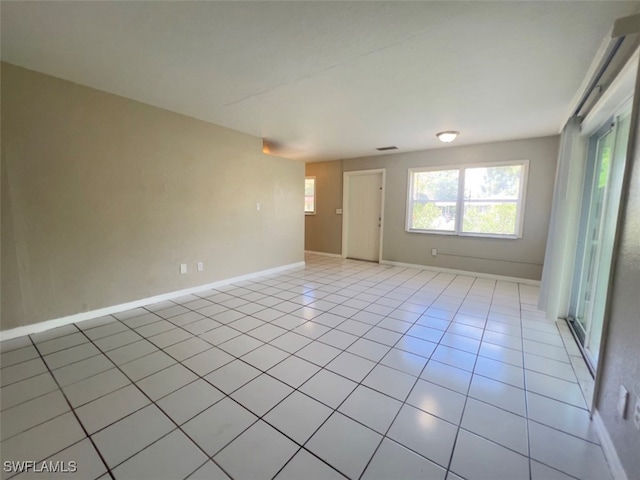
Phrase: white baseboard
(525, 281)
(610, 453)
(324, 254)
(101, 312)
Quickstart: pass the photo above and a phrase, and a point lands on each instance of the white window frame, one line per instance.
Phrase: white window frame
(520, 209)
(315, 194)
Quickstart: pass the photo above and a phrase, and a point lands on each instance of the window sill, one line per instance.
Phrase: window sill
(468, 235)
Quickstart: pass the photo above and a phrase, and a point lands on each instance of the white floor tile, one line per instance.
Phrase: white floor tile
(304, 465)
(345, 444)
(454, 357)
(173, 456)
(106, 410)
(232, 376)
(129, 352)
(500, 371)
(290, 342)
(438, 401)
(425, 434)
(318, 353)
(497, 425)
(261, 394)
(71, 355)
(394, 461)
(540, 471)
(447, 376)
(258, 453)
(404, 361)
(189, 401)
(293, 371)
(555, 388)
(25, 352)
(44, 440)
(390, 382)
(298, 416)
(351, 366)
(131, 434)
(475, 458)
(371, 408)
(166, 381)
(338, 339)
(149, 364)
(328, 387)
(34, 412)
(208, 361)
(265, 357)
(569, 454)
(209, 471)
(214, 428)
(94, 387)
(240, 345)
(498, 394)
(501, 354)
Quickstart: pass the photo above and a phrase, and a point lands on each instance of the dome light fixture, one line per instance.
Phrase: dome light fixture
(448, 136)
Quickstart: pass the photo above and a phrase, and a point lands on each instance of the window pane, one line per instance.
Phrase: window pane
(310, 195)
(433, 199)
(491, 199)
(496, 183)
(490, 217)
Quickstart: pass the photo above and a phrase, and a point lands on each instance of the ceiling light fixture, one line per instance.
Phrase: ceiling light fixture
(447, 137)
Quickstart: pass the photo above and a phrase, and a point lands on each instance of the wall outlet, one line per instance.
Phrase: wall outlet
(200, 266)
(434, 251)
(338, 211)
(636, 413)
(258, 207)
(623, 398)
(183, 268)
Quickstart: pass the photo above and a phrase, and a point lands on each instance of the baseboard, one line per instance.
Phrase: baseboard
(324, 254)
(101, 312)
(525, 281)
(608, 448)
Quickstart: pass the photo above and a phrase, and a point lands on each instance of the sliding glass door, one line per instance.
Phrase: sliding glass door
(600, 203)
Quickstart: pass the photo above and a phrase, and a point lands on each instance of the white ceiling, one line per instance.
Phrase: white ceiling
(327, 80)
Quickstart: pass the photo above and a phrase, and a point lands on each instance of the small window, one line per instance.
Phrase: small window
(479, 200)
(310, 195)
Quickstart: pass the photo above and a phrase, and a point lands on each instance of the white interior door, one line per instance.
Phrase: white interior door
(364, 215)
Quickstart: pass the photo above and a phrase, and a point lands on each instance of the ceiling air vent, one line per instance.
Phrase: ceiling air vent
(384, 149)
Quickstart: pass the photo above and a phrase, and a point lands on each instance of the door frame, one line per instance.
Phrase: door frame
(345, 206)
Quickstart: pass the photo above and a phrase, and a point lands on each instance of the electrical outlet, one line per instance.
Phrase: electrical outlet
(258, 207)
(623, 398)
(200, 266)
(434, 251)
(636, 413)
(183, 268)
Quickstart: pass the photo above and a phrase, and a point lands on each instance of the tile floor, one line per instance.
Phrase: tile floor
(339, 369)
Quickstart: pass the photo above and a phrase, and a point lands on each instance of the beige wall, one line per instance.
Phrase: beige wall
(323, 231)
(518, 258)
(621, 353)
(103, 198)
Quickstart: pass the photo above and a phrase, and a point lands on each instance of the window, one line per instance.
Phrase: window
(310, 195)
(480, 200)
